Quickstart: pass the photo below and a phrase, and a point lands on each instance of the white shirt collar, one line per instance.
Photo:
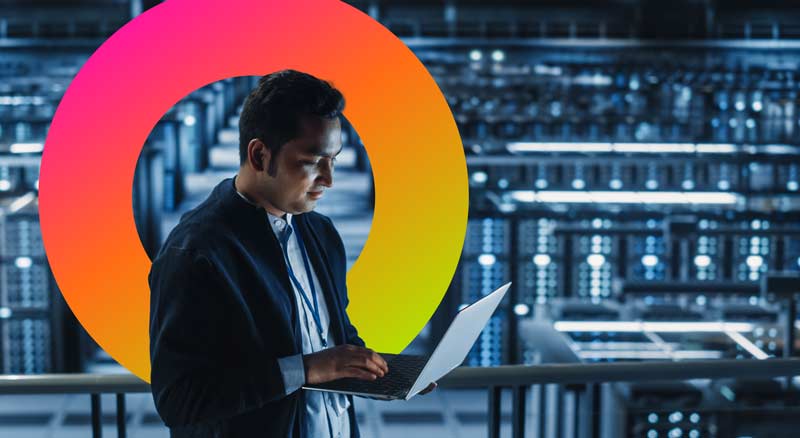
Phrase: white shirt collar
(278, 224)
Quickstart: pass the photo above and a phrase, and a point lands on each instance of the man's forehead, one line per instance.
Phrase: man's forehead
(319, 136)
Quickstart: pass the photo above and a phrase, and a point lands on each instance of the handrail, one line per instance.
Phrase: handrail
(517, 377)
(72, 384)
(462, 377)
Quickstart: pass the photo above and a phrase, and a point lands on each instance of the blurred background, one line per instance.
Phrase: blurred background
(634, 169)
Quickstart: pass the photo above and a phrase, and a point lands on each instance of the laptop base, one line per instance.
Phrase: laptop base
(403, 372)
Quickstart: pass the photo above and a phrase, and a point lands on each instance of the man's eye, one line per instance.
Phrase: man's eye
(308, 163)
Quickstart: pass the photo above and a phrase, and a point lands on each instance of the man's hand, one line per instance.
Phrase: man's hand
(430, 388)
(344, 361)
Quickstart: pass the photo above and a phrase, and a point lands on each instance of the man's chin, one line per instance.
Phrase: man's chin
(307, 205)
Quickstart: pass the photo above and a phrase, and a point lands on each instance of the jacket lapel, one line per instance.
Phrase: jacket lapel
(321, 263)
(252, 224)
(278, 266)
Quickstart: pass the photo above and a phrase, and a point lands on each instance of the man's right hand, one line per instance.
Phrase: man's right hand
(344, 361)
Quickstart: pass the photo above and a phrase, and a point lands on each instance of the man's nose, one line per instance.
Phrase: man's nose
(326, 174)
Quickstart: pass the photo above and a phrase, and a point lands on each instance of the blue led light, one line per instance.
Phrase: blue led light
(479, 177)
(498, 55)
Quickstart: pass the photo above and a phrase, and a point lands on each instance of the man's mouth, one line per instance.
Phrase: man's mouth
(315, 194)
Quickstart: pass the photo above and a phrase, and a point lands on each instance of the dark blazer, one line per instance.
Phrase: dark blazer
(222, 311)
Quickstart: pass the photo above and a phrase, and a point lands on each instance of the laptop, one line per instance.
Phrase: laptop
(408, 374)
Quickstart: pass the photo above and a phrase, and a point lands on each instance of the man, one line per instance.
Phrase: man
(248, 292)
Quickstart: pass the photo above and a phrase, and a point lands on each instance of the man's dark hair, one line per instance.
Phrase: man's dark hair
(274, 110)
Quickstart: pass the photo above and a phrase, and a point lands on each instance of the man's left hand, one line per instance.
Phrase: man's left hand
(430, 388)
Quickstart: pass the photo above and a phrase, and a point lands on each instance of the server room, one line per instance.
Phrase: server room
(633, 168)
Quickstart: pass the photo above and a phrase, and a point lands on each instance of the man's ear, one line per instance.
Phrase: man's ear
(258, 155)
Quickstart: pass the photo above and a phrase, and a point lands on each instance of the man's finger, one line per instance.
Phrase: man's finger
(375, 357)
(358, 373)
(430, 388)
(373, 367)
(365, 363)
(378, 359)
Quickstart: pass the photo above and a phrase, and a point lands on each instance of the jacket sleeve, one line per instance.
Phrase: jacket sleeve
(190, 378)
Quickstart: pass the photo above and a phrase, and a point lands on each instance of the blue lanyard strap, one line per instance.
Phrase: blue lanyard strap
(315, 307)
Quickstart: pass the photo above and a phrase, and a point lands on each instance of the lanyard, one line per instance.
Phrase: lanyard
(315, 307)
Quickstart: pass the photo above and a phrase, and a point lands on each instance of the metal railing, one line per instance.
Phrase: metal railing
(93, 384)
(495, 379)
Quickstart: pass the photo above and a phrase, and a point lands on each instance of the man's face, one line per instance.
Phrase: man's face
(304, 166)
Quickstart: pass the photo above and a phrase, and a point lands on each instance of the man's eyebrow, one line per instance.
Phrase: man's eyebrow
(318, 153)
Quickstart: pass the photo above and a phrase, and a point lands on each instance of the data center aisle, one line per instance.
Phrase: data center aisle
(445, 414)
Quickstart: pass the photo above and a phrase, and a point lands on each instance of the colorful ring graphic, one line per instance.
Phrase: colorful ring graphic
(178, 46)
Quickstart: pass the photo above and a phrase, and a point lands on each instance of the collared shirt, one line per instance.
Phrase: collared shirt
(326, 412)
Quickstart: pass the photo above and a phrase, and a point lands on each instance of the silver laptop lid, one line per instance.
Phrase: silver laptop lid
(458, 339)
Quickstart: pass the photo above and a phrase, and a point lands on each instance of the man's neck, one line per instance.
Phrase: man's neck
(240, 184)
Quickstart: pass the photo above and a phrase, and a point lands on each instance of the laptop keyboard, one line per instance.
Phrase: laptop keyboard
(403, 372)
